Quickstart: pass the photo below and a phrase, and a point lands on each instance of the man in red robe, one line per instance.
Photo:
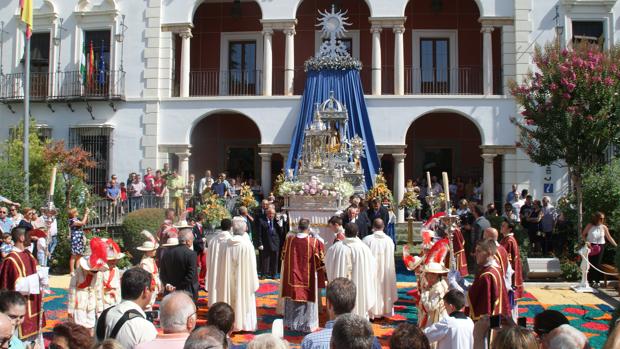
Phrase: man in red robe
(19, 265)
(303, 273)
(458, 243)
(512, 248)
(501, 256)
(488, 295)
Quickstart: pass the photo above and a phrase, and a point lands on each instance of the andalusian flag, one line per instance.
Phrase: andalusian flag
(83, 64)
(26, 11)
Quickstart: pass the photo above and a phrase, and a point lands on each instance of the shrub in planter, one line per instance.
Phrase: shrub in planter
(146, 219)
(570, 270)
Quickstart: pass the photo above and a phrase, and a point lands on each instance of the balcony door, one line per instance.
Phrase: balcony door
(242, 68)
(435, 68)
(96, 78)
(39, 65)
(435, 65)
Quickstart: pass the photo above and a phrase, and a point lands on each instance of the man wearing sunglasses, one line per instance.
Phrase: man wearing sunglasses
(6, 223)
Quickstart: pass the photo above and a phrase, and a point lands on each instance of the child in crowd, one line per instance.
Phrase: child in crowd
(431, 299)
(111, 277)
(148, 263)
(7, 245)
(85, 288)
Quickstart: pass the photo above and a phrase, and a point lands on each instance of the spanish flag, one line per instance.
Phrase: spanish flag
(26, 13)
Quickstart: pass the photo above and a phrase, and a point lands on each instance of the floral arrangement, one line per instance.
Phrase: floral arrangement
(380, 190)
(439, 204)
(214, 208)
(332, 63)
(410, 201)
(278, 183)
(246, 197)
(314, 187)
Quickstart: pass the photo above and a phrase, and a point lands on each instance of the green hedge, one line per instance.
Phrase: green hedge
(146, 219)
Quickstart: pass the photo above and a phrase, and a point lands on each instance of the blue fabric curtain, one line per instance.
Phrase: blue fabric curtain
(347, 87)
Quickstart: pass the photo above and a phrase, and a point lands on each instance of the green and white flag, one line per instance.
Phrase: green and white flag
(83, 61)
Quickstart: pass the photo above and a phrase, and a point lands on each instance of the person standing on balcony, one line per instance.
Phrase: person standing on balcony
(159, 189)
(136, 190)
(175, 186)
(219, 187)
(149, 180)
(113, 196)
(205, 182)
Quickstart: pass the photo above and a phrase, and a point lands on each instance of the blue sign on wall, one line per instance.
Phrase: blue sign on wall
(548, 188)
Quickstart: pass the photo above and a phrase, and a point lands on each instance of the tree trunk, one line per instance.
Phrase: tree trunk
(579, 191)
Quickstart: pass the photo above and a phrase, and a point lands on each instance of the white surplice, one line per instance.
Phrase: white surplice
(382, 248)
(216, 268)
(352, 259)
(242, 281)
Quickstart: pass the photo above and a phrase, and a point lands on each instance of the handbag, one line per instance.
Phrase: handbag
(595, 250)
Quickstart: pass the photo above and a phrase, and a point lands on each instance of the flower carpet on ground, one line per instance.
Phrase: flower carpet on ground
(592, 319)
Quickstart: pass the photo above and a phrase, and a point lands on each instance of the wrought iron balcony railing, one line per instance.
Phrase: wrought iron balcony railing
(69, 85)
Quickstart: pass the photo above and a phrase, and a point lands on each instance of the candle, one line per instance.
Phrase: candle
(428, 181)
(53, 181)
(446, 190)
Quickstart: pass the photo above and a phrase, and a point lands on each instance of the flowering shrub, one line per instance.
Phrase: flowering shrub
(570, 108)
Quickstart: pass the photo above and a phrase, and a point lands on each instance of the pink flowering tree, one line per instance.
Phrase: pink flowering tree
(570, 109)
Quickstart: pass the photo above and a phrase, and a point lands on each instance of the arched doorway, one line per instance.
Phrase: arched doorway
(444, 141)
(226, 142)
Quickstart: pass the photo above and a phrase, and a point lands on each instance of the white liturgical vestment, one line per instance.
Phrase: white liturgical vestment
(382, 248)
(242, 281)
(216, 268)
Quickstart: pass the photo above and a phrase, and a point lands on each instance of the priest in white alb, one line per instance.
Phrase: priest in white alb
(242, 277)
(382, 248)
(352, 259)
(216, 261)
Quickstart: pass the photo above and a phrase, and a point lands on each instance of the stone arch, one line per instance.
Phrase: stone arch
(433, 147)
(368, 3)
(225, 141)
(453, 111)
(478, 3)
(197, 4)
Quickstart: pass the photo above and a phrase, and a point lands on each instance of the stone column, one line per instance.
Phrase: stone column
(265, 173)
(289, 61)
(184, 164)
(185, 62)
(267, 61)
(487, 179)
(487, 59)
(399, 183)
(376, 59)
(399, 60)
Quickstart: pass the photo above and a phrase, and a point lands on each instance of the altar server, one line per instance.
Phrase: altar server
(487, 295)
(217, 278)
(514, 257)
(242, 284)
(85, 288)
(303, 274)
(382, 248)
(352, 259)
(111, 277)
(149, 247)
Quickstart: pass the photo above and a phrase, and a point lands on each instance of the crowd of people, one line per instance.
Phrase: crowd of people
(352, 261)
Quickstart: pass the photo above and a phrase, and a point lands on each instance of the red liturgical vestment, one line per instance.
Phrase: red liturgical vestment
(487, 295)
(458, 242)
(303, 268)
(20, 264)
(501, 257)
(512, 247)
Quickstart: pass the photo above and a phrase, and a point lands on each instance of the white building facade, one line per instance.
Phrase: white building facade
(216, 84)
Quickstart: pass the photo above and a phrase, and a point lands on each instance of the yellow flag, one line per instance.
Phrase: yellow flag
(26, 11)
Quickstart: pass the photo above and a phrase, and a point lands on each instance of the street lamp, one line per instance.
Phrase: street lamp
(120, 37)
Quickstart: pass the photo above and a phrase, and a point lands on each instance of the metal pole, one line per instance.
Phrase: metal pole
(27, 123)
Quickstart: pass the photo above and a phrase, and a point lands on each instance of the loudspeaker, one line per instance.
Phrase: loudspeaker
(542, 268)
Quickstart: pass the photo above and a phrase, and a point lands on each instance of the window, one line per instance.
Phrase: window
(242, 67)
(44, 133)
(96, 141)
(435, 65)
(591, 31)
(97, 65)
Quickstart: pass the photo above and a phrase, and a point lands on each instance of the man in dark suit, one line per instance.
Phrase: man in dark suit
(269, 237)
(178, 266)
(359, 218)
(376, 210)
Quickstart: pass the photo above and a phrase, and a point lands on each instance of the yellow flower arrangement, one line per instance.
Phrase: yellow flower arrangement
(246, 197)
(380, 190)
(410, 201)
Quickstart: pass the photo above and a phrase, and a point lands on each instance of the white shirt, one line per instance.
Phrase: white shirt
(134, 331)
(596, 235)
(451, 333)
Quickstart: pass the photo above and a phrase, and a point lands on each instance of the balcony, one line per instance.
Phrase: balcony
(225, 83)
(63, 86)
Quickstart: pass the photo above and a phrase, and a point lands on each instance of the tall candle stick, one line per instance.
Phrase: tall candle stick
(428, 181)
(446, 190)
(53, 181)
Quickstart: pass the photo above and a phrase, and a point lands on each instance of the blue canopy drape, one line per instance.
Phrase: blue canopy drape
(347, 87)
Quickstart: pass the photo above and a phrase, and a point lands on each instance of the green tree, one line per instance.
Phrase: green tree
(570, 110)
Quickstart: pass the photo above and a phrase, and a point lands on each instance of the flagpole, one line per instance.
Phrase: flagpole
(27, 123)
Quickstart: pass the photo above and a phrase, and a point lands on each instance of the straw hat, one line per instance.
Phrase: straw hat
(173, 239)
(182, 225)
(435, 268)
(147, 246)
